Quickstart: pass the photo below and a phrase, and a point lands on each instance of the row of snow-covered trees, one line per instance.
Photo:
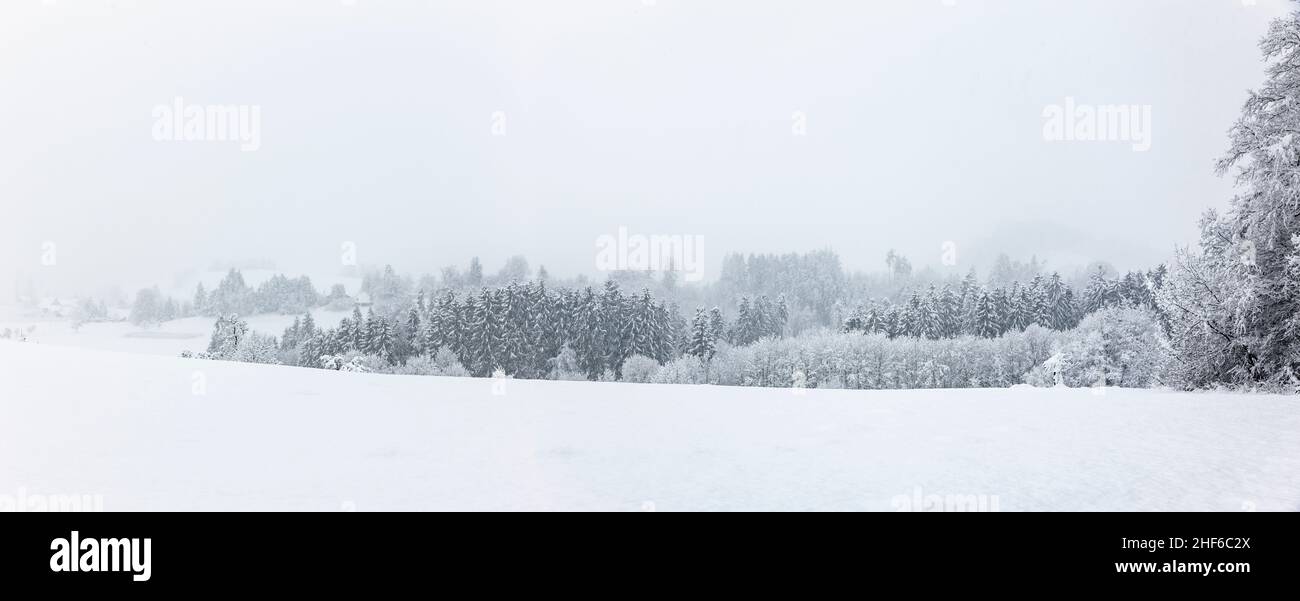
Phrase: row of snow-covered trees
(233, 296)
(531, 331)
(811, 282)
(151, 306)
(975, 310)
(756, 320)
(1111, 347)
(811, 289)
(279, 294)
(519, 329)
(822, 360)
(840, 360)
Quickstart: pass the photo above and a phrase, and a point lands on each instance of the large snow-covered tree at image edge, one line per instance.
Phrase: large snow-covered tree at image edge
(1233, 307)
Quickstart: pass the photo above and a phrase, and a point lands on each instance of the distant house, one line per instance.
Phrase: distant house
(363, 300)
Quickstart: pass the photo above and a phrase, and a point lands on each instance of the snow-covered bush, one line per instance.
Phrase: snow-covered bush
(1051, 374)
(256, 348)
(564, 366)
(639, 368)
(855, 361)
(419, 365)
(1113, 347)
(226, 335)
(287, 356)
(233, 341)
(331, 362)
(446, 363)
(687, 369)
(353, 362)
(731, 365)
(454, 371)
(367, 363)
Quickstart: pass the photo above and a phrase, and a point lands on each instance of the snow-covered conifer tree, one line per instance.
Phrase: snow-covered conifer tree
(702, 342)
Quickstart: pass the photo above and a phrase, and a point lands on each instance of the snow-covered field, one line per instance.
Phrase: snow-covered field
(163, 433)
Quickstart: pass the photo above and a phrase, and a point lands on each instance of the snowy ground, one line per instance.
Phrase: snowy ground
(142, 432)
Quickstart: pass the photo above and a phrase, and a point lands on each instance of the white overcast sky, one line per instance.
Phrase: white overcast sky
(924, 125)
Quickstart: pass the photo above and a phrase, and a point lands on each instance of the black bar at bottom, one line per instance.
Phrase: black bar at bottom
(550, 554)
